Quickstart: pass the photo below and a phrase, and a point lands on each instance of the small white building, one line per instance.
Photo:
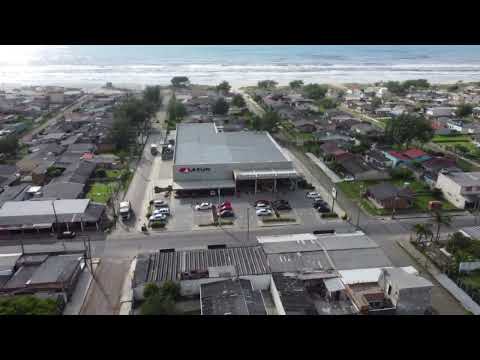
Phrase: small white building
(460, 188)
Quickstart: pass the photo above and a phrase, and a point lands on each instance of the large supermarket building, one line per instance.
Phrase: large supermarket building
(205, 158)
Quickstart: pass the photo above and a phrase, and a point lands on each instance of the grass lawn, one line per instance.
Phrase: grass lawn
(450, 138)
(113, 174)
(466, 166)
(472, 279)
(352, 190)
(100, 192)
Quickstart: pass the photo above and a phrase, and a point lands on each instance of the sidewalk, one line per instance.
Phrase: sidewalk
(75, 304)
(126, 299)
(443, 279)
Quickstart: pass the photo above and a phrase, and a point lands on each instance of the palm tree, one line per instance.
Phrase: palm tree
(423, 230)
(440, 219)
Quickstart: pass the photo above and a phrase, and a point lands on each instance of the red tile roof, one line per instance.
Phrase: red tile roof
(414, 153)
(398, 155)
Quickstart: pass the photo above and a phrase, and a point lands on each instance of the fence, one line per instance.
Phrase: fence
(472, 291)
(468, 266)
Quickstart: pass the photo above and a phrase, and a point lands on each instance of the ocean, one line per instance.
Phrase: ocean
(137, 66)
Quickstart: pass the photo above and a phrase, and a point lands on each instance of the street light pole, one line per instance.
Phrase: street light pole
(248, 224)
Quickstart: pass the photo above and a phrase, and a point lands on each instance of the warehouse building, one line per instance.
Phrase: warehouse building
(208, 159)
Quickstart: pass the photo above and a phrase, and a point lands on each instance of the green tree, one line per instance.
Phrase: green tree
(395, 87)
(327, 103)
(423, 231)
(453, 88)
(220, 107)
(180, 81)
(170, 290)
(121, 134)
(152, 96)
(158, 305)
(28, 305)
(176, 110)
(267, 122)
(9, 145)
(151, 289)
(296, 84)
(404, 129)
(267, 84)
(315, 91)
(376, 102)
(417, 84)
(238, 101)
(458, 241)
(440, 219)
(224, 87)
(464, 110)
(401, 173)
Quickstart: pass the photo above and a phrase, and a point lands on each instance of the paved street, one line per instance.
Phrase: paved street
(140, 191)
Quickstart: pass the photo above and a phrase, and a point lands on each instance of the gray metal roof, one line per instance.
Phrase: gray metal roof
(465, 179)
(405, 280)
(56, 269)
(161, 266)
(32, 208)
(359, 258)
(201, 144)
(231, 297)
(62, 190)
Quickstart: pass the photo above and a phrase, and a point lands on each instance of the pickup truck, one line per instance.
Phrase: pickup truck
(125, 210)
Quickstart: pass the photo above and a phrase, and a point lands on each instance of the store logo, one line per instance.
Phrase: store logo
(186, 170)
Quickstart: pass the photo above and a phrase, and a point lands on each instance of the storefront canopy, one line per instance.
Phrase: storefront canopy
(264, 174)
(201, 185)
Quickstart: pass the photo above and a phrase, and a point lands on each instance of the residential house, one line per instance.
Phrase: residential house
(462, 189)
(331, 152)
(406, 157)
(476, 112)
(377, 159)
(78, 172)
(356, 167)
(45, 273)
(431, 168)
(387, 196)
(63, 190)
(436, 112)
(460, 126)
(362, 128)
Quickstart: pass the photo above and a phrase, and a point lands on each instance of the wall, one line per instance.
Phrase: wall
(276, 298)
(450, 190)
(469, 266)
(224, 171)
(414, 301)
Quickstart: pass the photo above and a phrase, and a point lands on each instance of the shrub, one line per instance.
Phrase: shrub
(101, 173)
(280, 219)
(344, 217)
(157, 225)
(329, 215)
(401, 174)
(170, 290)
(151, 289)
(148, 215)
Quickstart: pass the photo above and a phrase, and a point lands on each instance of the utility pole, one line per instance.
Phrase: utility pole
(248, 224)
(57, 225)
(21, 242)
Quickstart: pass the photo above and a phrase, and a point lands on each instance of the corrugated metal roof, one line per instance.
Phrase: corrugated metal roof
(164, 266)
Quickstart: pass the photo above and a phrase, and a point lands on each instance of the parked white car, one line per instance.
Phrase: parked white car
(264, 212)
(156, 217)
(348, 178)
(164, 211)
(262, 206)
(313, 195)
(203, 206)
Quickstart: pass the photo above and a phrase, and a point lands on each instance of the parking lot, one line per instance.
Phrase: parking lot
(184, 217)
